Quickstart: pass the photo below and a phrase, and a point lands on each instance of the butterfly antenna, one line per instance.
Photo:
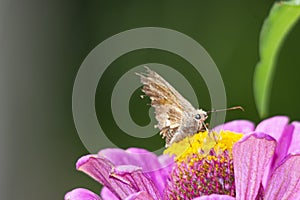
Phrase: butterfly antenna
(222, 110)
(212, 133)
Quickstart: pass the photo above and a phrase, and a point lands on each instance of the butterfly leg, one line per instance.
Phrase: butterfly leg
(204, 125)
(189, 139)
(197, 154)
(210, 133)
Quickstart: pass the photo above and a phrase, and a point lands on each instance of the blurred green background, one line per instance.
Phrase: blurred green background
(43, 44)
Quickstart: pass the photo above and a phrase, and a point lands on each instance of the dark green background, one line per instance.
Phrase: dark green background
(43, 43)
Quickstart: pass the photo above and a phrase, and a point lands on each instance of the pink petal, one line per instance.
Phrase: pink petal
(151, 165)
(122, 181)
(133, 156)
(283, 145)
(250, 158)
(106, 194)
(81, 194)
(165, 171)
(278, 128)
(215, 197)
(285, 181)
(280, 153)
(238, 126)
(138, 150)
(133, 176)
(294, 146)
(273, 126)
(139, 196)
(99, 168)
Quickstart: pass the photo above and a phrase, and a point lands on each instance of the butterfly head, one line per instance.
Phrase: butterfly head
(200, 115)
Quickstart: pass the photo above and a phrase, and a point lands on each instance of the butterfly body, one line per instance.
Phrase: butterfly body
(176, 117)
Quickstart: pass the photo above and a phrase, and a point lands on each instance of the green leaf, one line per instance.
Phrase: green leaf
(282, 17)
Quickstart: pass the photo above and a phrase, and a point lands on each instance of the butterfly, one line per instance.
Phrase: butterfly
(176, 116)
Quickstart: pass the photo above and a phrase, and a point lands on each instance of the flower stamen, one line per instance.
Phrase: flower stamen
(203, 166)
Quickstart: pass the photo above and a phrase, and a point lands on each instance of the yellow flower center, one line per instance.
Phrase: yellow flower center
(202, 142)
(204, 165)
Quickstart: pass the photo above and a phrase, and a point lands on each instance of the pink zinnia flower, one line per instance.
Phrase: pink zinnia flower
(263, 163)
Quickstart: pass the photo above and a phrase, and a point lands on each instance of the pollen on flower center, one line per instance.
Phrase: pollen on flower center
(203, 166)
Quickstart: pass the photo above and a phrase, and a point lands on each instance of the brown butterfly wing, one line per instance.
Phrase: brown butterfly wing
(169, 105)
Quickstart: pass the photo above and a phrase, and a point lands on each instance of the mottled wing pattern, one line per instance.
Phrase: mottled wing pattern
(169, 105)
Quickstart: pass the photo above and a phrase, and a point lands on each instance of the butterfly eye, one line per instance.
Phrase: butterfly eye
(197, 116)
